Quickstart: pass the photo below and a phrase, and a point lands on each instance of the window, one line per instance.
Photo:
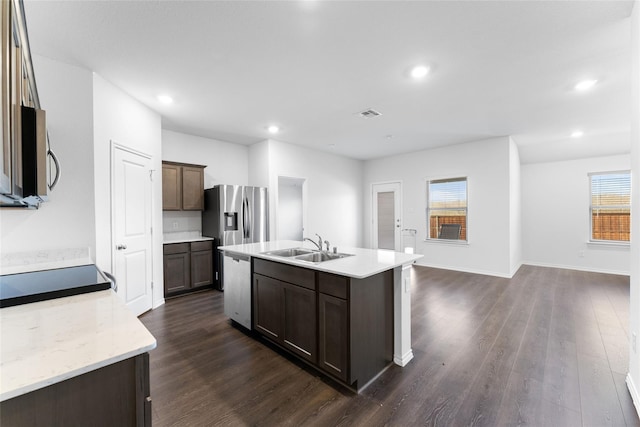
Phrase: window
(610, 206)
(447, 209)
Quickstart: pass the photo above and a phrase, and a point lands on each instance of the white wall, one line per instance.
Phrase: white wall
(290, 210)
(515, 209)
(260, 164)
(333, 189)
(555, 212)
(118, 117)
(67, 220)
(226, 163)
(486, 166)
(633, 379)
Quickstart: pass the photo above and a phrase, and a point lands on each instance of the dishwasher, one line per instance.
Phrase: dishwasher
(236, 277)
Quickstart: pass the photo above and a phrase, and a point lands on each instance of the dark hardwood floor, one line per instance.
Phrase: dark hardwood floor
(546, 348)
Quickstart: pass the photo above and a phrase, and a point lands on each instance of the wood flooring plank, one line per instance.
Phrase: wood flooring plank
(480, 358)
(600, 404)
(628, 409)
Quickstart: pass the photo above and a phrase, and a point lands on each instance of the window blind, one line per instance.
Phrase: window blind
(446, 204)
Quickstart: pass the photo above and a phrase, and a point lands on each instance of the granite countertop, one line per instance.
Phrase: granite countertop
(363, 263)
(47, 342)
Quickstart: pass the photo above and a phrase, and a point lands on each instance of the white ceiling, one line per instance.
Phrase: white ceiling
(235, 67)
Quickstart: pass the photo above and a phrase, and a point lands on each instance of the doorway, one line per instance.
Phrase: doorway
(386, 211)
(290, 208)
(131, 236)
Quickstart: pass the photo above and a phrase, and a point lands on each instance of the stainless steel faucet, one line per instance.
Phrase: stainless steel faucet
(318, 244)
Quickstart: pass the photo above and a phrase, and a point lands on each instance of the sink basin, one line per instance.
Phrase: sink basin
(289, 252)
(308, 255)
(316, 257)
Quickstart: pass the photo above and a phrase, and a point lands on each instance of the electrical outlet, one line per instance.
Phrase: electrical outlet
(633, 341)
(581, 254)
(174, 224)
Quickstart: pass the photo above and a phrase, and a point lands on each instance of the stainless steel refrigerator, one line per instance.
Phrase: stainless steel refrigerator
(233, 215)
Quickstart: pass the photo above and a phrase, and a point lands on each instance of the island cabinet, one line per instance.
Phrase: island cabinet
(182, 187)
(333, 324)
(285, 312)
(342, 326)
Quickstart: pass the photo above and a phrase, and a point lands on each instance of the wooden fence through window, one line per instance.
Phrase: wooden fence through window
(611, 226)
(437, 221)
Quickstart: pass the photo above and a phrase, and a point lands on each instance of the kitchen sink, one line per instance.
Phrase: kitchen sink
(307, 255)
(289, 252)
(321, 256)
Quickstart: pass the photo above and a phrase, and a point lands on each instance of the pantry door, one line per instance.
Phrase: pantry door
(131, 227)
(386, 212)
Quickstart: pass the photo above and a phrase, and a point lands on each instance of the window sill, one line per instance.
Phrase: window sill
(448, 242)
(604, 243)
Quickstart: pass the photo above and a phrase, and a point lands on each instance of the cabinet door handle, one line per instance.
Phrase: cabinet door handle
(121, 247)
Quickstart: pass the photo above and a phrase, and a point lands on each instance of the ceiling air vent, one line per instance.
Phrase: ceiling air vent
(367, 114)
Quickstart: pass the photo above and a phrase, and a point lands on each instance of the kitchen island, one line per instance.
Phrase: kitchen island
(348, 316)
(78, 360)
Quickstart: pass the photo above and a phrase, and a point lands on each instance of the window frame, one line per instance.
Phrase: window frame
(428, 209)
(591, 239)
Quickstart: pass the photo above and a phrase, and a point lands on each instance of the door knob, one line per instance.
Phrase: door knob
(121, 247)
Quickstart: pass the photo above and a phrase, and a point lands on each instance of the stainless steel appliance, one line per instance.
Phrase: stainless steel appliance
(234, 215)
(237, 294)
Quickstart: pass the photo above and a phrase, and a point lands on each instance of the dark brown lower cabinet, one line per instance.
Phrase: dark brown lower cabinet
(115, 395)
(177, 275)
(333, 335)
(187, 266)
(342, 326)
(267, 307)
(286, 314)
(299, 321)
(201, 268)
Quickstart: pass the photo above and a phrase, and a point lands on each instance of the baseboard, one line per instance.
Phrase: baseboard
(466, 270)
(577, 268)
(404, 359)
(157, 304)
(633, 391)
(515, 270)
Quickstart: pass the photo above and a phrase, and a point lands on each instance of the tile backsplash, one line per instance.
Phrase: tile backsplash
(18, 262)
(184, 223)
(179, 221)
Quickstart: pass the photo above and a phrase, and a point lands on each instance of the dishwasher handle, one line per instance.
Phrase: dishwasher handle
(237, 257)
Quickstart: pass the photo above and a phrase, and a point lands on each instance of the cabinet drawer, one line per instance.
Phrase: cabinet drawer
(334, 285)
(206, 245)
(175, 248)
(287, 273)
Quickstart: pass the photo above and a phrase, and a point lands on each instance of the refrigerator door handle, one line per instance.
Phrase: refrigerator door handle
(245, 218)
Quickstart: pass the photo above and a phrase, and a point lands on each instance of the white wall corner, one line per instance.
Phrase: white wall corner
(634, 311)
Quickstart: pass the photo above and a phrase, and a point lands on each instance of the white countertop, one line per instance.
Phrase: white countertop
(47, 342)
(168, 241)
(364, 263)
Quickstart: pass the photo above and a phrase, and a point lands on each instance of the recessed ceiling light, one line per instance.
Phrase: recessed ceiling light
(165, 99)
(273, 129)
(419, 71)
(585, 85)
(577, 134)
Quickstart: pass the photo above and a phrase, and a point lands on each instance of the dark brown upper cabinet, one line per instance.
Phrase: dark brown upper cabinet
(182, 187)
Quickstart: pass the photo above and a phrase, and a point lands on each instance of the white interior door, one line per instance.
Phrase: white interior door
(131, 231)
(386, 216)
